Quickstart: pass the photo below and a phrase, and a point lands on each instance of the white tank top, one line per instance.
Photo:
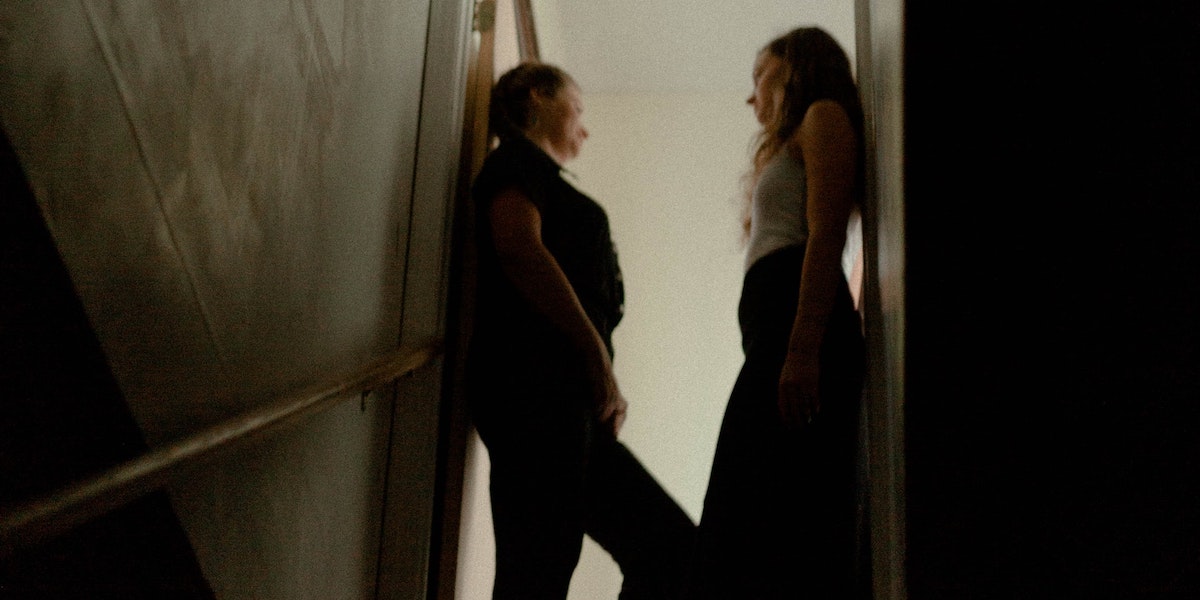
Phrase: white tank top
(778, 206)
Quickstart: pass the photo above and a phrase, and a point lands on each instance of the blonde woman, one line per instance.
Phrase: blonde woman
(779, 514)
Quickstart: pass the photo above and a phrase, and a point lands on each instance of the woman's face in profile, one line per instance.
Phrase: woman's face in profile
(560, 119)
(767, 96)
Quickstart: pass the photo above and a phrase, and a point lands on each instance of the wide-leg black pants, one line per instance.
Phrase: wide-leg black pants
(779, 516)
(556, 474)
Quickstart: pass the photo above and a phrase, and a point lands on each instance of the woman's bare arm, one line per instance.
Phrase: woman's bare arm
(517, 234)
(828, 145)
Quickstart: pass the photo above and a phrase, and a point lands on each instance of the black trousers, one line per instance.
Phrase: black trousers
(557, 474)
(779, 515)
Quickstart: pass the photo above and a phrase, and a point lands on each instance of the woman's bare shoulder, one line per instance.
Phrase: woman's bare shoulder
(825, 125)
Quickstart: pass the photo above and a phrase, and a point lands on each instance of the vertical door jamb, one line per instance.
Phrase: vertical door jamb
(880, 52)
(455, 430)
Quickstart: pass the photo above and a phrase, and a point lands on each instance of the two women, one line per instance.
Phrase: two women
(779, 515)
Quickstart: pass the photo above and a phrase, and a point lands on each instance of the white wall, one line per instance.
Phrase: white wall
(667, 168)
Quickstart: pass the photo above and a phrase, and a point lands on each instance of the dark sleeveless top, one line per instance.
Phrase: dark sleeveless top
(574, 229)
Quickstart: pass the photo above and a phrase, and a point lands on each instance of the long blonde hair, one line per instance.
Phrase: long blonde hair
(816, 68)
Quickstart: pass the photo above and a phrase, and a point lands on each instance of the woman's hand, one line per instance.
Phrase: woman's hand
(612, 411)
(798, 399)
(610, 403)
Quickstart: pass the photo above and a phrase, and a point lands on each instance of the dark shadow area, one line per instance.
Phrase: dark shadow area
(62, 417)
(1053, 372)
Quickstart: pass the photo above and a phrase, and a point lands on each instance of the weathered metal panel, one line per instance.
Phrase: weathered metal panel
(229, 184)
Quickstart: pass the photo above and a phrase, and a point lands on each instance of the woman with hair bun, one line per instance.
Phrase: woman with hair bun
(779, 516)
(539, 369)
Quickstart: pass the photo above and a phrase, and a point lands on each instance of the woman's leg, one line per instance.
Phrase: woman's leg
(745, 513)
(537, 516)
(538, 445)
(633, 518)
